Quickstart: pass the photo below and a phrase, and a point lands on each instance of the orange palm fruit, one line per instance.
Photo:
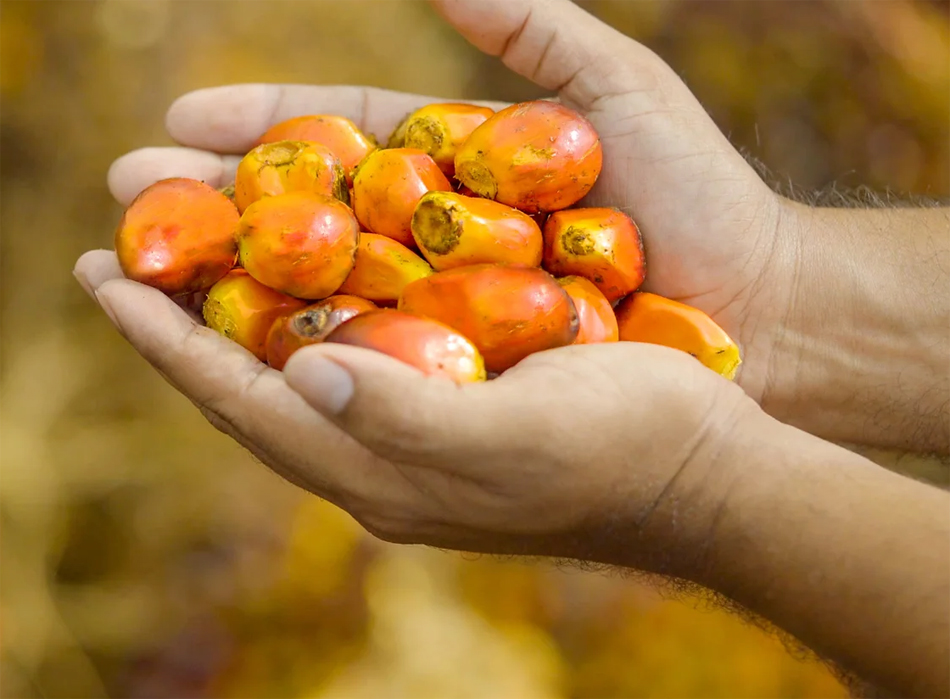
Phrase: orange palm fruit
(242, 309)
(388, 185)
(453, 230)
(646, 317)
(534, 156)
(299, 243)
(597, 321)
(508, 312)
(310, 325)
(430, 346)
(337, 133)
(602, 245)
(439, 130)
(288, 166)
(383, 268)
(177, 235)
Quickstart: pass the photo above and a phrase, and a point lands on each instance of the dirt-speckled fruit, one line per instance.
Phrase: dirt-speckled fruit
(387, 187)
(300, 243)
(594, 312)
(453, 230)
(599, 244)
(177, 235)
(439, 130)
(432, 347)
(646, 317)
(507, 312)
(383, 268)
(343, 137)
(311, 325)
(534, 156)
(243, 310)
(288, 166)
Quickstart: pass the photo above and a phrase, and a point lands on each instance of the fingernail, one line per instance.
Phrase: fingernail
(323, 383)
(84, 283)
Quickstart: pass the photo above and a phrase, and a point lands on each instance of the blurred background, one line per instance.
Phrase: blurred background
(146, 555)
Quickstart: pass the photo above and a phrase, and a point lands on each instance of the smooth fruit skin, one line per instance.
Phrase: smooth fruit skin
(387, 187)
(337, 133)
(599, 244)
(177, 235)
(453, 230)
(311, 325)
(300, 243)
(383, 268)
(242, 309)
(508, 312)
(432, 347)
(288, 166)
(598, 323)
(534, 156)
(439, 130)
(646, 317)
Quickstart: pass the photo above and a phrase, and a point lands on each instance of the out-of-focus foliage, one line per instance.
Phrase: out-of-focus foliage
(146, 555)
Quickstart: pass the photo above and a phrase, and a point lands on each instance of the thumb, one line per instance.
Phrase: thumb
(558, 46)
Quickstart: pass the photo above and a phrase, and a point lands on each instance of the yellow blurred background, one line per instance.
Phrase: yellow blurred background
(146, 555)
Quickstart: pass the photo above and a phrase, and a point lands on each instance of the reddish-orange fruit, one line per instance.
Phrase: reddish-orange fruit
(177, 235)
(288, 166)
(534, 156)
(646, 317)
(387, 187)
(507, 312)
(594, 312)
(383, 268)
(337, 133)
(300, 243)
(242, 309)
(311, 325)
(439, 130)
(603, 245)
(452, 230)
(430, 346)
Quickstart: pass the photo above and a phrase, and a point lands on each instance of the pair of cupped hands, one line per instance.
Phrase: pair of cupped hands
(570, 450)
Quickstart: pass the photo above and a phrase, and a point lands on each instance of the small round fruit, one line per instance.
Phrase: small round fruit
(439, 130)
(243, 310)
(383, 268)
(594, 312)
(534, 156)
(300, 243)
(431, 347)
(599, 244)
(311, 325)
(177, 235)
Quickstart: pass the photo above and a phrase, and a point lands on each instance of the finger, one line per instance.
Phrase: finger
(556, 45)
(96, 267)
(135, 171)
(253, 399)
(398, 412)
(230, 118)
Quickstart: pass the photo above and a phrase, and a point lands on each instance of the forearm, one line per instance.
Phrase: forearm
(851, 559)
(863, 355)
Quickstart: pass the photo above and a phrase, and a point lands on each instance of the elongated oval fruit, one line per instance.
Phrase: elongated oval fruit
(597, 321)
(387, 187)
(177, 235)
(439, 130)
(383, 268)
(343, 137)
(508, 312)
(430, 346)
(243, 310)
(600, 244)
(453, 230)
(310, 325)
(535, 156)
(289, 166)
(646, 317)
(299, 243)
